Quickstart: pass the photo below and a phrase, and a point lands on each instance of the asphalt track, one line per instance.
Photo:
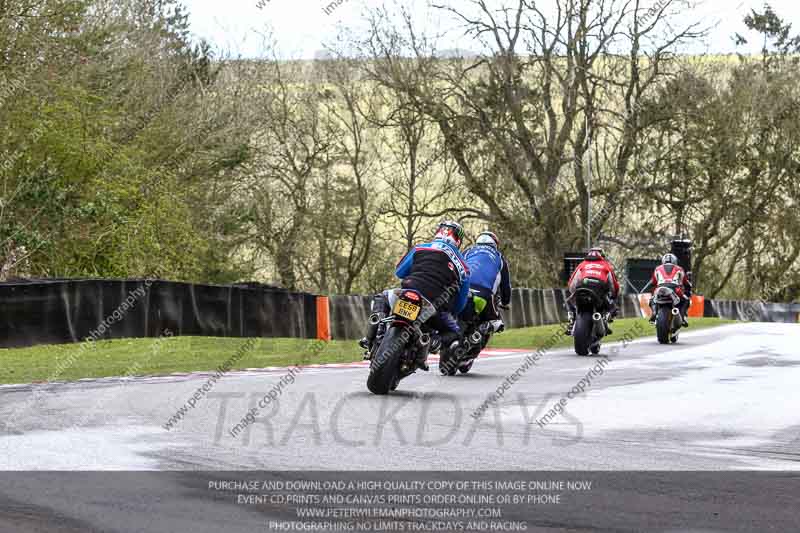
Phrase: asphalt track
(723, 399)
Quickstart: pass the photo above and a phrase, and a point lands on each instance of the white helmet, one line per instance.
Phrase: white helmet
(488, 238)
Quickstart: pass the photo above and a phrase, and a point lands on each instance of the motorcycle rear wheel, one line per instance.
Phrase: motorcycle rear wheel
(447, 362)
(663, 324)
(449, 370)
(582, 333)
(384, 367)
(465, 368)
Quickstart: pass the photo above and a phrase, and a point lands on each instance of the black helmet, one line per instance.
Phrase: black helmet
(669, 259)
(450, 231)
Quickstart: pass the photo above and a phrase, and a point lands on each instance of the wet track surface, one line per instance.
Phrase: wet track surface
(722, 399)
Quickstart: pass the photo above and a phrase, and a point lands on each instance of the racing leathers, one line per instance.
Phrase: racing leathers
(599, 269)
(675, 277)
(438, 271)
(489, 279)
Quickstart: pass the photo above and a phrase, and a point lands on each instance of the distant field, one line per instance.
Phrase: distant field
(137, 357)
(386, 139)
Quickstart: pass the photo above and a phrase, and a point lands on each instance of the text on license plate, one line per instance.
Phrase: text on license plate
(406, 310)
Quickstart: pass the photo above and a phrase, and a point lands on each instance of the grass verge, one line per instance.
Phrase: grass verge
(133, 357)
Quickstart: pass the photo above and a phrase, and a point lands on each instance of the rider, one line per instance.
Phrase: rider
(594, 266)
(439, 272)
(670, 273)
(488, 275)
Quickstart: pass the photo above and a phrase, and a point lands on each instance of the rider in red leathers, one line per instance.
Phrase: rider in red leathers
(595, 266)
(669, 273)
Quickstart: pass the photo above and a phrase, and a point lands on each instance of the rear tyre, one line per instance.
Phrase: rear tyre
(447, 363)
(595, 348)
(582, 333)
(384, 367)
(663, 324)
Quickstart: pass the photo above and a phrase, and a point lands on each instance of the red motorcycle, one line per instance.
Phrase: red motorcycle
(591, 325)
(668, 314)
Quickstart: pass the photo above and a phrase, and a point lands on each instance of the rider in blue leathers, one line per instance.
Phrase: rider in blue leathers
(440, 273)
(489, 276)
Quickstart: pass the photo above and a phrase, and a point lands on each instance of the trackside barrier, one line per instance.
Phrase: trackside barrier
(60, 311)
(753, 311)
(529, 307)
(537, 307)
(644, 304)
(696, 308)
(72, 310)
(323, 318)
(348, 315)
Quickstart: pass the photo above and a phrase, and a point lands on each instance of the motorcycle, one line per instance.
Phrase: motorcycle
(668, 314)
(477, 334)
(402, 340)
(590, 324)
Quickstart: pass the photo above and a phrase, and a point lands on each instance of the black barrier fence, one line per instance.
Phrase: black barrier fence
(529, 307)
(541, 307)
(60, 311)
(348, 316)
(753, 311)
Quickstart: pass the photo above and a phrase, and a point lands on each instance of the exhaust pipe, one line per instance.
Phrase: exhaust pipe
(424, 339)
(372, 331)
(475, 338)
(597, 316)
(675, 311)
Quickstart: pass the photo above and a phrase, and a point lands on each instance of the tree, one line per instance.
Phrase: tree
(727, 166)
(109, 146)
(518, 120)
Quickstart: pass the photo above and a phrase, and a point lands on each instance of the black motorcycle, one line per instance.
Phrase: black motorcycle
(402, 340)
(668, 313)
(590, 324)
(477, 335)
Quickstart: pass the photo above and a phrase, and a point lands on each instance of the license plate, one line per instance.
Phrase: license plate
(406, 310)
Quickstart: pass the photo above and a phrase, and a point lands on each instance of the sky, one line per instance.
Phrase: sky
(301, 27)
